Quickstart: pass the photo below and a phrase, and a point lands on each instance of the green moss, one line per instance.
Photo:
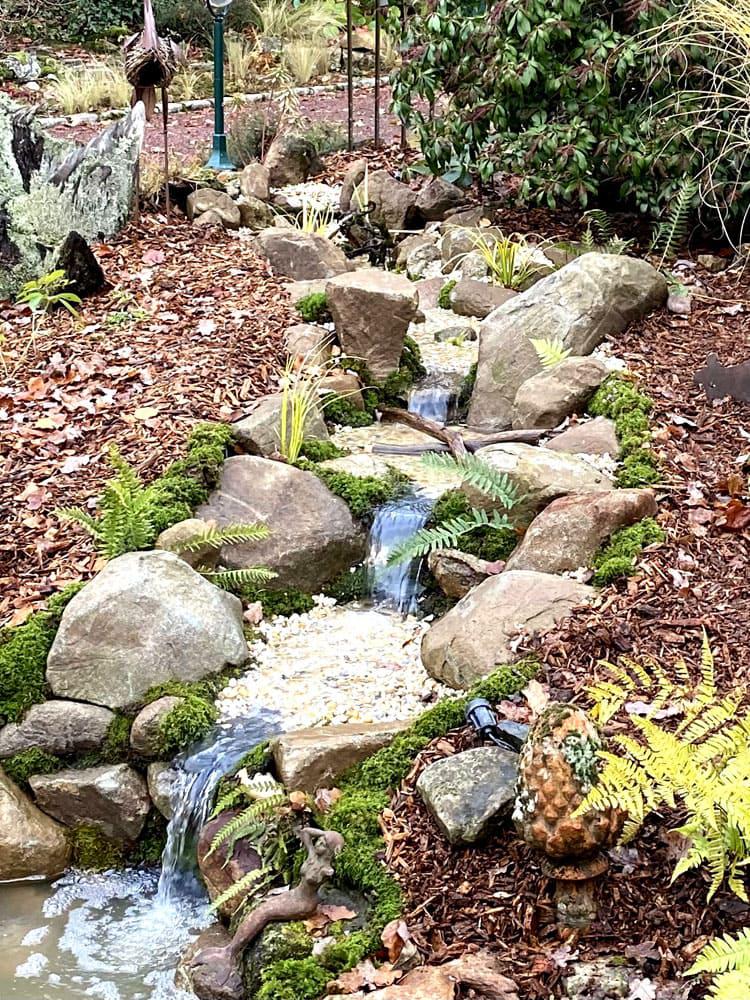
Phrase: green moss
(362, 494)
(321, 451)
(342, 411)
(278, 943)
(21, 766)
(619, 399)
(618, 557)
(396, 387)
(259, 760)
(467, 387)
(117, 741)
(152, 841)
(186, 724)
(293, 979)
(23, 657)
(94, 852)
(487, 543)
(313, 308)
(279, 602)
(351, 585)
(444, 298)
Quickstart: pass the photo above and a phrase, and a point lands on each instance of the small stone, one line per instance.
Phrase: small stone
(712, 262)
(462, 333)
(343, 384)
(31, 844)
(173, 539)
(255, 214)
(254, 181)
(590, 437)
(597, 980)
(208, 218)
(308, 341)
(211, 981)
(301, 256)
(458, 572)
(161, 778)
(680, 305)
(291, 159)
(145, 735)
(464, 792)
(355, 174)
(478, 298)
(546, 399)
(58, 727)
(208, 200)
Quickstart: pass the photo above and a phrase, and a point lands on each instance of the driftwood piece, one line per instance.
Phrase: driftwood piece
(452, 439)
(297, 903)
(721, 381)
(472, 444)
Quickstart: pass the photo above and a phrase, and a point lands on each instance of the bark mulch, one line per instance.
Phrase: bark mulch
(189, 330)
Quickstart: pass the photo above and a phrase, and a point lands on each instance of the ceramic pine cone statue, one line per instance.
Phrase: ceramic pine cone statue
(557, 769)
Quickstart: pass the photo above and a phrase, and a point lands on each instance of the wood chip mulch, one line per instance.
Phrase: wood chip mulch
(190, 330)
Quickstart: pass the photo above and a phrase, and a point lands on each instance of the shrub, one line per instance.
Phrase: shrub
(250, 134)
(565, 95)
(618, 557)
(313, 308)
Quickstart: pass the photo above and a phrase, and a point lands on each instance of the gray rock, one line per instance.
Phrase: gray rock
(394, 203)
(591, 437)
(301, 256)
(438, 197)
(173, 538)
(428, 290)
(209, 981)
(597, 980)
(31, 844)
(313, 536)
(539, 475)
(680, 305)
(587, 300)
(145, 736)
(473, 265)
(146, 618)
(308, 759)
(466, 218)
(161, 778)
(456, 333)
(209, 218)
(255, 214)
(259, 432)
(457, 242)
(476, 636)
(306, 340)
(463, 793)
(355, 174)
(60, 727)
(254, 182)
(712, 262)
(569, 533)
(372, 310)
(458, 572)
(411, 243)
(291, 159)
(343, 384)
(360, 464)
(547, 398)
(113, 798)
(420, 258)
(479, 298)
(209, 200)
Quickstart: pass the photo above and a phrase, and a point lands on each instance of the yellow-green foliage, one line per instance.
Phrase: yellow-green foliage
(701, 764)
(728, 959)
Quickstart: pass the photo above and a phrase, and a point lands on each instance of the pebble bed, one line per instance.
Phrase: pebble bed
(335, 665)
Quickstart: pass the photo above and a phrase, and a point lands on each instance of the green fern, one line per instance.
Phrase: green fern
(668, 236)
(728, 959)
(232, 534)
(550, 351)
(599, 226)
(235, 579)
(476, 473)
(445, 535)
(253, 884)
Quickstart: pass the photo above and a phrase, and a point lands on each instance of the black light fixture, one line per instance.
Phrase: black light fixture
(480, 715)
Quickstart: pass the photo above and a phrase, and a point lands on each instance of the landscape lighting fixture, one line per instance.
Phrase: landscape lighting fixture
(480, 715)
(219, 158)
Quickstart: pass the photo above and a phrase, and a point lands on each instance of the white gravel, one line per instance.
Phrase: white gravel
(335, 665)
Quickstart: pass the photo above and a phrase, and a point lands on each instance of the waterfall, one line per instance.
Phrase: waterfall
(431, 400)
(396, 586)
(192, 797)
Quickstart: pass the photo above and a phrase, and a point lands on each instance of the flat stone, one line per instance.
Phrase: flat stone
(394, 203)
(590, 437)
(114, 798)
(593, 297)
(212, 981)
(291, 159)
(539, 475)
(145, 737)
(458, 572)
(478, 298)
(547, 398)
(464, 792)
(313, 536)
(309, 759)
(372, 310)
(208, 200)
(259, 432)
(569, 533)
(360, 464)
(466, 218)
(32, 845)
(308, 341)
(477, 635)
(209, 218)
(597, 980)
(161, 778)
(173, 538)
(145, 619)
(456, 333)
(255, 214)
(438, 197)
(301, 256)
(254, 181)
(59, 727)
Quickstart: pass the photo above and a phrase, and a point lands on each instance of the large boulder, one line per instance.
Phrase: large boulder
(478, 298)
(32, 845)
(59, 727)
(291, 159)
(147, 618)
(464, 792)
(308, 759)
(209, 200)
(477, 635)
(589, 437)
(113, 798)
(593, 297)
(301, 256)
(372, 310)
(438, 197)
(568, 533)
(259, 431)
(394, 203)
(539, 475)
(546, 399)
(313, 536)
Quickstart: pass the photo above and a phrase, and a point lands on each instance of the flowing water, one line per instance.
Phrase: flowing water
(431, 400)
(396, 586)
(119, 935)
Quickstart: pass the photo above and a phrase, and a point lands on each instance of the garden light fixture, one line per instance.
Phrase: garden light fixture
(480, 715)
(219, 158)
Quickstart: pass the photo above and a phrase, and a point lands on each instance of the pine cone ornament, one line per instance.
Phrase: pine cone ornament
(558, 768)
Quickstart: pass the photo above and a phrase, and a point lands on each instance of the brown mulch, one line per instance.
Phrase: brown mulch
(494, 896)
(209, 342)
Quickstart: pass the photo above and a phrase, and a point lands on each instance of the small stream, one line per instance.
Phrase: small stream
(431, 400)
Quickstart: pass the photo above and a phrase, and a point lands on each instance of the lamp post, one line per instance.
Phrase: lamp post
(219, 158)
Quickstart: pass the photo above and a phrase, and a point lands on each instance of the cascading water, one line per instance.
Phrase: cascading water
(431, 400)
(396, 586)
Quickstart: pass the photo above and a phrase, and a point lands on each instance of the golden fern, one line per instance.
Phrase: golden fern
(728, 959)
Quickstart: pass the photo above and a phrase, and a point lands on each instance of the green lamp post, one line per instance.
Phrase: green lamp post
(219, 158)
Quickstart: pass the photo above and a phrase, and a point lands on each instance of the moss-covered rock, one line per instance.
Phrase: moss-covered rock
(617, 559)
(487, 543)
(362, 494)
(619, 399)
(342, 411)
(277, 943)
(94, 852)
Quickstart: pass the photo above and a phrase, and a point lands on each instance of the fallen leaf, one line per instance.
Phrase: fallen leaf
(326, 797)
(642, 989)
(537, 696)
(206, 327)
(736, 516)
(153, 257)
(73, 463)
(298, 801)
(394, 937)
(145, 412)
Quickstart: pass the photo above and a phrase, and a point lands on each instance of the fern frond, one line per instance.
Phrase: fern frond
(669, 235)
(550, 351)
(445, 535)
(232, 534)
(731, 986)
(233, 579)
(711, 718)
(477, 473)
(226, 801)
(600, 225)
(255, 880)
(79, 516)
(724, 954)
(249, 822)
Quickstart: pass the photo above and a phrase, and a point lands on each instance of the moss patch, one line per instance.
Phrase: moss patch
(444, 298)
(278, 602)
(152, 841)
(351, 585)
(362, 494)
(619, 399)
(618, 557)
(313, 308)
(21, 766)
(94, 852)
(187, 723)
(484, 543)
(342, 411)
(394, 390)
(321, 451)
